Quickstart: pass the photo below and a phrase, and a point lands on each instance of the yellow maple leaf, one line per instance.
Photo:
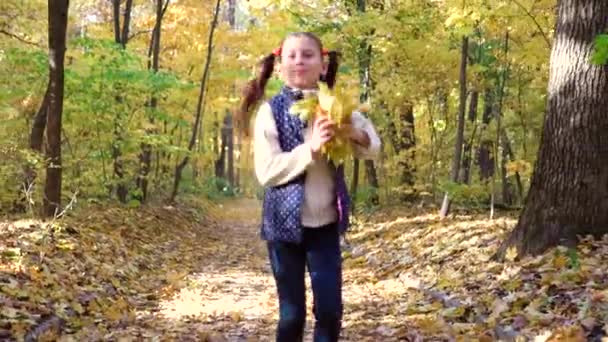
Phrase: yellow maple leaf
(511, 254)
(560, 261)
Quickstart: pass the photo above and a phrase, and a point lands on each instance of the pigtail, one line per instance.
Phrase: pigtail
(332, 69)
(253, 92)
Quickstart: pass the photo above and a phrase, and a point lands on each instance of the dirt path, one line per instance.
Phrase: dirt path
(235, 293)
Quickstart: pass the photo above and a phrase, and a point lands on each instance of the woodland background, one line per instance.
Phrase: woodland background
(129, 208)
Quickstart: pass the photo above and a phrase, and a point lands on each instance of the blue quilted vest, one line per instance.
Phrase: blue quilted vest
(281, 215)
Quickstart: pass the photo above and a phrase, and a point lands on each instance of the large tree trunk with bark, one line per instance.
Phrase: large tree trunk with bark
(58, 22)
(569, 191)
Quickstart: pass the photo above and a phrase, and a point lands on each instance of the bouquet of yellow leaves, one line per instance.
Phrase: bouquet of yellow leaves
(338, 105)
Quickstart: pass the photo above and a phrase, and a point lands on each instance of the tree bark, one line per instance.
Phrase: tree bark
(404, 141)
(232, 13)
(36, 138)
(468, 147)
(229, 134)
(126, 23)
(58, 21)
(195, 127)
(485, 157)
(220, 149)
(116, 19)
(568, 195)
(354, 185)
(445, 206)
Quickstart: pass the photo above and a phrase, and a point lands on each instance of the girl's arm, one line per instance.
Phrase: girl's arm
(273, 166)
(366, 143)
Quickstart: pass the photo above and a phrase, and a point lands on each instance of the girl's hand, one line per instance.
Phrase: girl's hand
(322, 132)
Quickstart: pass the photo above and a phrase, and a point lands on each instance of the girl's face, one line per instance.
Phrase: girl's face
(301, 62)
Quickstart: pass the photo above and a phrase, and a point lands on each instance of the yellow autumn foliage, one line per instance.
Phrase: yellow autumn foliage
(337, 104)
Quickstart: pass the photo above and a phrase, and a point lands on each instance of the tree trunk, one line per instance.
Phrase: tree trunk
(232, 13)
(568, 194)
(58, 22)
(198, 117)
(365, 58)
(36, 139)
(230, 145)
(404, 141)
(445, 207)
(372, 180)
(502, 139)
(354, 185)
(485, 157)
(509, 155)
(145, 157)
(468, 147)
(219, 148)
(126, 23)
(120, 37)
(116, 19)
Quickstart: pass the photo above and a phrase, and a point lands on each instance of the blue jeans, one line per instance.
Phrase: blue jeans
(320, 251)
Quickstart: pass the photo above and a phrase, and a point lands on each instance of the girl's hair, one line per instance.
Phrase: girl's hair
(253, 91)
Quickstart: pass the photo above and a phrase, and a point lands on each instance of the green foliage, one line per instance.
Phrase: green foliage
(600, 55)
(414, 62)
(363, 199)
(216, 187)
(469, 195)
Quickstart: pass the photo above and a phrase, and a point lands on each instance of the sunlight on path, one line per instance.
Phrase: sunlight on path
(235, 294)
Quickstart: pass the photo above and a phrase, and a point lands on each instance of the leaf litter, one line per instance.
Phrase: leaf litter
(178, 273)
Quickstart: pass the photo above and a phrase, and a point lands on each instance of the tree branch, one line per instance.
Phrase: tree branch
(137, 34)
(21, 39)
(535, 22)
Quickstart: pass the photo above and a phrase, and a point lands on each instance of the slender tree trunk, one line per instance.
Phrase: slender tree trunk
(485, 157)
(404, 142)
(58, 21)
(218, 147)
(507, 193)
(230, 144)
(354, 183)
(468, 147)
(116, 19)
(445, 207)
(568, 195)
(126, 23)
(198, 117)
(232, 13)
(36, 139)
(145, 157)
(365, 57)
(120, 37)
(372, 180)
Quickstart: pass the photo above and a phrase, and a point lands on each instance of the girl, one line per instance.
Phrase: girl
(306, 204)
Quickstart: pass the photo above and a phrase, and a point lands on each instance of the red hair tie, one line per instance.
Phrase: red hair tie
(324, 52)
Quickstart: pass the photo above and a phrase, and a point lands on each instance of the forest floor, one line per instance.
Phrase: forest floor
(183, 274)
